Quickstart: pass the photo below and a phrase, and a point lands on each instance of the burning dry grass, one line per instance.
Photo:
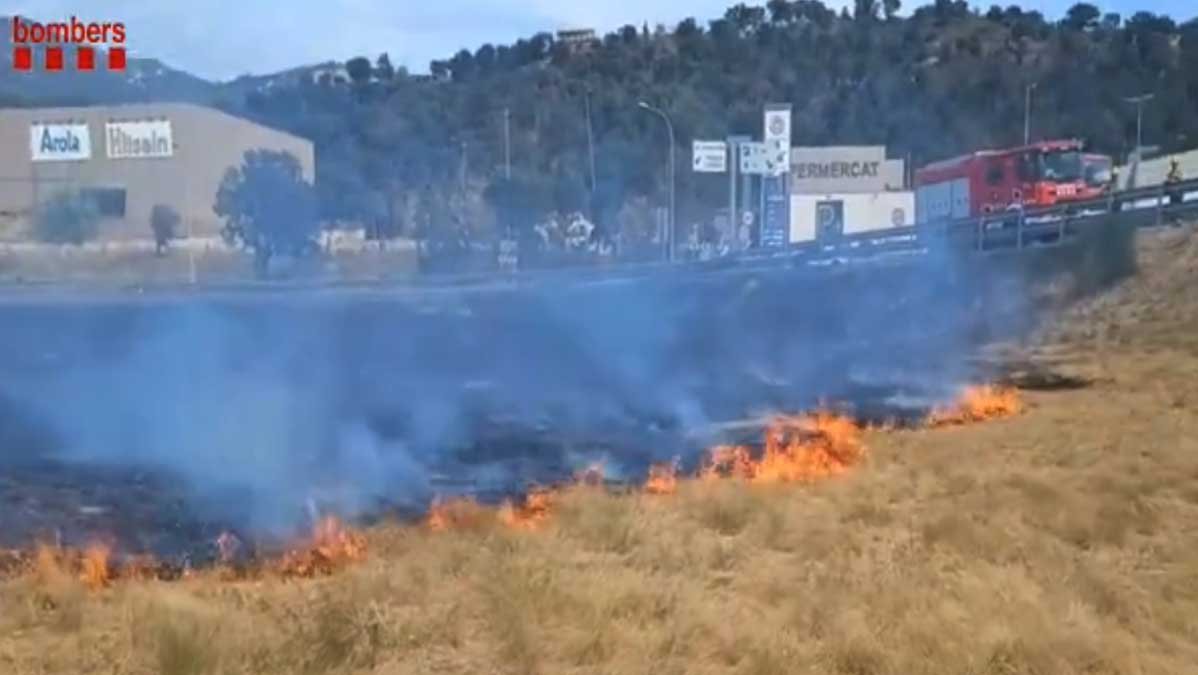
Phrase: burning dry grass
(1051, 544)
(977, 404)
(1059, 541)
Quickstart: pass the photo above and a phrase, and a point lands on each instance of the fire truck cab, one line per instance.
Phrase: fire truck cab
(993, 181)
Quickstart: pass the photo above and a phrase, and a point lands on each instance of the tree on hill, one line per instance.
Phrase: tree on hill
(268, 207)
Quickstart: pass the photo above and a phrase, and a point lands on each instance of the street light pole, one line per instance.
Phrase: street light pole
(1027, 114)
(507, 143)
(1139, 102)
(590, 137)
(670, 130)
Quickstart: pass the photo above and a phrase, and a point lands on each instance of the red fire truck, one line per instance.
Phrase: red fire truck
(993, 181)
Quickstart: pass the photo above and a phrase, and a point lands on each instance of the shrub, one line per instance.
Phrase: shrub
(164, 221)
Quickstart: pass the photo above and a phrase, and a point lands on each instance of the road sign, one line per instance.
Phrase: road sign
(777, 158)
(710, 156)
(753, 158)
(777, 137)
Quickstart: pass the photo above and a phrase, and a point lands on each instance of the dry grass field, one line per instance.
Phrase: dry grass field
(1063, 541)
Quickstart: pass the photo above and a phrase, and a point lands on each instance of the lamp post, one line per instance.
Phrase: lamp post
(1027, 114)
(1139, 102)
(507, 143)
(670, 223)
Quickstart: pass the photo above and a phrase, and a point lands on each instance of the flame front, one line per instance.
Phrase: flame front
(94, 572)
(977, 404)
(797, 449)
(531, 514)
(332, 546)
(663, 479)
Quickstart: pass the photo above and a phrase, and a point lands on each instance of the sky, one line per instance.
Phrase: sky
(221, 39)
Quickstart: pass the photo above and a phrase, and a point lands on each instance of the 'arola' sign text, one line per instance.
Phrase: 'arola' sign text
(59, 142)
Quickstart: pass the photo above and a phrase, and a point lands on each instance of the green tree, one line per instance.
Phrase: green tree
(1082, 16)
(67, 217)
(383, 68)
(359, 70)
(268, 207)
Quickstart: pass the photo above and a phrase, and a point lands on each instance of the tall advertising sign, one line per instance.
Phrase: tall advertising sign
(775, 221)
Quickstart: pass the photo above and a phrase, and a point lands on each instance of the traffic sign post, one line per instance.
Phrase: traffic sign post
(734, 145)
(775, 182)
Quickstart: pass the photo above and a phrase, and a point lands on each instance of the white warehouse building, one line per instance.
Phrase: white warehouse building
(844, 190)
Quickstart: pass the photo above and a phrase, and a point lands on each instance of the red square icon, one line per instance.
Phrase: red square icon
(53, 58)
(116, 58)
(22, 58)
(85, 58)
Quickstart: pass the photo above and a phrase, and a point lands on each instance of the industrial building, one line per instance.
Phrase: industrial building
(839, 190)
(129, 158)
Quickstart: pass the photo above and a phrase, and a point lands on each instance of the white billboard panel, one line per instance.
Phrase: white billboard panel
(710, 156)
(50, 142)
(137, 140)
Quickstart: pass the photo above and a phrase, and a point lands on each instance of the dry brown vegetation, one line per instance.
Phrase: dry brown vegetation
(1062, 541)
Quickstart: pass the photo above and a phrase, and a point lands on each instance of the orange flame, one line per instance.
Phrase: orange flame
(663, 479)
(803, 448)
(529, 515)
(332, 545)
(95, 573)
(977, 404)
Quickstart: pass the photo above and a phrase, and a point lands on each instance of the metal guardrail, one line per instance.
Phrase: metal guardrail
(1016, 229)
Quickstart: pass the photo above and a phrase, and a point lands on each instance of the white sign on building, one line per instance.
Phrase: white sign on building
(136, 140)
(777, 138)
(710, 156)
(49, 142)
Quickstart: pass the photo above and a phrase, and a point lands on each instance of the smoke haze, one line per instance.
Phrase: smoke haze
(257, 408)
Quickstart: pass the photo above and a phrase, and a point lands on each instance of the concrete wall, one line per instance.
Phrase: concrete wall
(206, 143)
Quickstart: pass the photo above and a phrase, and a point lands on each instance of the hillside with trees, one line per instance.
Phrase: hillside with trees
(425, 155)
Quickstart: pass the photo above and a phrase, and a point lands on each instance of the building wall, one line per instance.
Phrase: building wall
(859, 212)
(206, 143)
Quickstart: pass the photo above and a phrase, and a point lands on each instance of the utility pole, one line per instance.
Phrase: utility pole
(671, 221)
(1027, 114)
(590, 138)
(507, 143)
(463, 177)
(1139, 102)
